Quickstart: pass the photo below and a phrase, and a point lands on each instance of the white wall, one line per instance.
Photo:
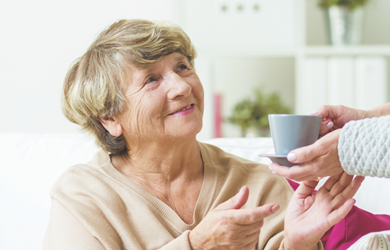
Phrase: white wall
(41, 38)
(39, 41)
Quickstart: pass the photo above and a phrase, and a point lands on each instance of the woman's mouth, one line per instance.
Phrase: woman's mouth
(186, 110)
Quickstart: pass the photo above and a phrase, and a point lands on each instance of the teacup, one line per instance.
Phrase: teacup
(293, 131)
(289, 132)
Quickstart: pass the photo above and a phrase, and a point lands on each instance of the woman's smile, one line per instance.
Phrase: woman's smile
(184, 111)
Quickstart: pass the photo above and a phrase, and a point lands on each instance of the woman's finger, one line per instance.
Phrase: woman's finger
(324, 146)
(306, 188)
(252, 244)
(327, 118)
(237, 201)
(326, 126)
(298, 172)
(342, 184)
(252, 237)
(325, 111)
(304, 154)
(251, 229)
(348, 193)
(332, 180)
(252, 215)
(337, 215)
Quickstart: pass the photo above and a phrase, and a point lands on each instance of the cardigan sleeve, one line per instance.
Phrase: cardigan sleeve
(65, 232)
(180, 243)
(364, 147)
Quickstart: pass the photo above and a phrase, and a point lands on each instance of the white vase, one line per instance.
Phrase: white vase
(345, 26)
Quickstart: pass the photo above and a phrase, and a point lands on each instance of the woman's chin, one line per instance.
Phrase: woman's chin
(187, 131)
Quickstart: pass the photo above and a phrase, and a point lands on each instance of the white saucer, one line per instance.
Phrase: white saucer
(281, 159)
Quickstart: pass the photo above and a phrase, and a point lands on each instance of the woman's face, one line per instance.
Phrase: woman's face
(164, 100)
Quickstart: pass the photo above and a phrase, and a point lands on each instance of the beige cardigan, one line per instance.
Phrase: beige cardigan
(96, 207)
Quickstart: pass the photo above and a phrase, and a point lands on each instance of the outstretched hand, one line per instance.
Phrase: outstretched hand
(310, 215)
(317, 160)
(229, 226)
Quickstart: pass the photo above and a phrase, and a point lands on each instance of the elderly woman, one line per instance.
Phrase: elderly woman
(153, 185)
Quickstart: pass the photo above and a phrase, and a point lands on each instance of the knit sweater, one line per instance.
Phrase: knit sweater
(96, 207)
(364, 147)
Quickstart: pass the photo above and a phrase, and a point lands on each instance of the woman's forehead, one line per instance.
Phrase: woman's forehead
(136, 73)
(174, 57)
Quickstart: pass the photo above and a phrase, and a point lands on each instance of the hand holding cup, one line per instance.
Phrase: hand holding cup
(290, 132)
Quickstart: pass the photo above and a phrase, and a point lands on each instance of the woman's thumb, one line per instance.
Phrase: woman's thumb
(237, 201)
(303, 154)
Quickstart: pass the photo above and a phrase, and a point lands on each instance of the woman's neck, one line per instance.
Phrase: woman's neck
(161, 164)
(172, 173)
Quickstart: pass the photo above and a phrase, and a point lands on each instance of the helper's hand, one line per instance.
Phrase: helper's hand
(335, 117)
(318, 160)
(229, 227)
(310, 215)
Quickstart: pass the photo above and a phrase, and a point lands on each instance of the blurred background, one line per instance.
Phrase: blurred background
(254, 57)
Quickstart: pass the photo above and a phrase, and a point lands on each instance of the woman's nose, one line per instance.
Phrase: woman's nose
(177, 86)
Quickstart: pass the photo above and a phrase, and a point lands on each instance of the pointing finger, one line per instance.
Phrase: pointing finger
(252, 215)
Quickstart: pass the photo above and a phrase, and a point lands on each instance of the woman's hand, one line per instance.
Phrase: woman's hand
(335, 117)
(318, 160)
(321, 158)
(229, 227)
(310, 215)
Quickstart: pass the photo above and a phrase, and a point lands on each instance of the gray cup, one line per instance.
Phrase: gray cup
(293, 131)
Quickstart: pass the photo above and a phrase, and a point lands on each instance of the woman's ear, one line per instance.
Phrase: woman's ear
(112, 126)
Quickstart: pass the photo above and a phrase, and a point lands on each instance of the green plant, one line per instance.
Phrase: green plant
(265, 104)
(242, 115)
(253, 112)
(351, 4)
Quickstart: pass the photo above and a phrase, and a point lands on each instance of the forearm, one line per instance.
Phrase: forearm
(363, 147)
(379, 111)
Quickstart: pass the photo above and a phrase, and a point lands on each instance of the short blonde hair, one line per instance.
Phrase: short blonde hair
(92, 86)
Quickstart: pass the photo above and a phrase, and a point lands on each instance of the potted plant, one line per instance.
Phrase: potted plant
(242, 115)
(345, 20)
(252, 113)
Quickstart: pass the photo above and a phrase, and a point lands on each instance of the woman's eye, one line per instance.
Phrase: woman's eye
(151, 79)
(182, 67)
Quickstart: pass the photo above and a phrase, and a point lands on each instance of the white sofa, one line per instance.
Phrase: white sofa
(31, 163)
